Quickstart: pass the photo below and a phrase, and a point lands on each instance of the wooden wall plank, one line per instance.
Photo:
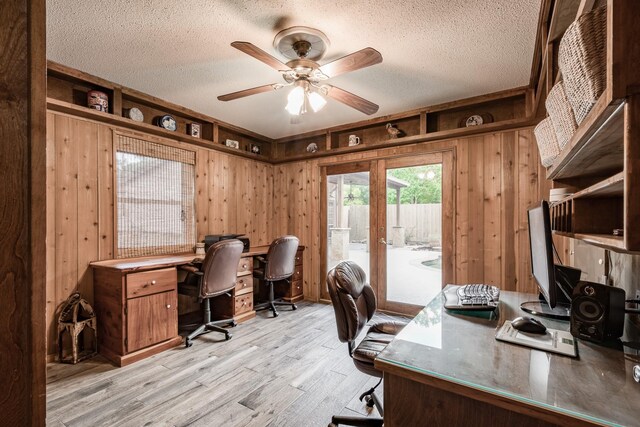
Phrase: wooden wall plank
(51, 282)
(462, 213)
(475, 251)
(528, 197)
(87, 207)
(202, 193)
(492, 207)
(66, 193)
(106, 220)
(508, 219)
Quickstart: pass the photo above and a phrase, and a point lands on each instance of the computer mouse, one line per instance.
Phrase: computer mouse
(529, 324)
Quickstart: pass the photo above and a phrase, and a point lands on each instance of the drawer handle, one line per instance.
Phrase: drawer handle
(244, 285)
(244, 266)
(153, 282)
(244, 303)
(168, 305)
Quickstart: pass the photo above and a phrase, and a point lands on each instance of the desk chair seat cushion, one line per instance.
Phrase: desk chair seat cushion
(378, 336)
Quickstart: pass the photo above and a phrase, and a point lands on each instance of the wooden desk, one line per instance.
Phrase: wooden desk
(136, 302)
(448, 369)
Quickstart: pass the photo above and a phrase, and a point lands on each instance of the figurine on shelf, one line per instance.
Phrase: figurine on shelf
(98, 101)
(312, 148)
(393, 131)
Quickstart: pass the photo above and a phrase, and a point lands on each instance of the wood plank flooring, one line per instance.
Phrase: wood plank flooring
(287, 371)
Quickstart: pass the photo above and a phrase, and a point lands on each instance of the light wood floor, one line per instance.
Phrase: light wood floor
(287, 371)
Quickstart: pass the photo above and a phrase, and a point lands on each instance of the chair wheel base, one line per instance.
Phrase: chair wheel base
(188, 343)
(370, 402)
(227, 336)
(293, 307)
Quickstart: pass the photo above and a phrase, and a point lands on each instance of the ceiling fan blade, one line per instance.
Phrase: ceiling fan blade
(260, 55)
(355, 61)
(353, 101)
(247, 92)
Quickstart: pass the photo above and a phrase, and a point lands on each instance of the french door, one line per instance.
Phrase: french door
(394, 218)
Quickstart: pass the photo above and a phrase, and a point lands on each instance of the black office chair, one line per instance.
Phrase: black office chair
(279, 264)
(215, 276)
(354, 304)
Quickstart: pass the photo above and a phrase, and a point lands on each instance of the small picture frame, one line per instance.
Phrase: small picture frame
(194, 129)
(254, 148)
(232, 143)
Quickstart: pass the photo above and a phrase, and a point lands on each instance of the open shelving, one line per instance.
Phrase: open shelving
(602, 159)
(67, 92)
(507, 109)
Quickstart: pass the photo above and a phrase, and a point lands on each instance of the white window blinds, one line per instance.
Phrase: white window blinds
(155, 198)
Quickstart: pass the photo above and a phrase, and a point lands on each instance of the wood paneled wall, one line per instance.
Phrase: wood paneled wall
(498, 177)
(233, 195)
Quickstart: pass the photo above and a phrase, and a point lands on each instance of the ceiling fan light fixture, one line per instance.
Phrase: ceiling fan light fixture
(295, 101)
(317, 101)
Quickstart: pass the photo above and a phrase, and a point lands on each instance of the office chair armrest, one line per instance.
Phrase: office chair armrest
(390, 327)
(261, 259)
(190, 269)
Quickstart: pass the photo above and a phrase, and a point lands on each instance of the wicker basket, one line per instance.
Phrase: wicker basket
(547, 142)
(561, 114)
(582, 59)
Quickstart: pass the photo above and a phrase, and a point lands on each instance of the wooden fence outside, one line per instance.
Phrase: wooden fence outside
(422, 222)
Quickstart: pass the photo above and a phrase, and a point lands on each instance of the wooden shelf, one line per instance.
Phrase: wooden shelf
(597, 146)
(112, 119)
(610, 187)
(428, 137)
(603, 240)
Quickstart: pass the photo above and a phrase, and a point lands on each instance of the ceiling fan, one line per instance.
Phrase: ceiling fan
(304, 46)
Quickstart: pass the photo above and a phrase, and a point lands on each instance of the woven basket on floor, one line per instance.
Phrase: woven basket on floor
(561, 114)
(547, 142)
(582, 59)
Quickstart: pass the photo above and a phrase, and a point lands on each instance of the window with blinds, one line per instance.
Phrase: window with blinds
(155, 198)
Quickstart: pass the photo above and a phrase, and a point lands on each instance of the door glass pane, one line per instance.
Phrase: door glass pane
(414, 233)
(348, 219)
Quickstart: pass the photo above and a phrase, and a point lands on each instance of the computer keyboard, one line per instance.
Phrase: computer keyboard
(472, 297)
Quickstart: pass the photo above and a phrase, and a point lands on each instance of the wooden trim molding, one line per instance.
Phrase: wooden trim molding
(22, 269)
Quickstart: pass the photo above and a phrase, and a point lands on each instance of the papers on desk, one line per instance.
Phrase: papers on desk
(552, 340)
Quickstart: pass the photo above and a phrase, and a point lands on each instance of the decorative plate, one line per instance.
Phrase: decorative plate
(135, 114)
(167, 122)
(474, 120)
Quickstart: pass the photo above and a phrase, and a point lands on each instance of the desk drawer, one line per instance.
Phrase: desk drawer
(243, 303)
(297, 274)
(245, 265)
(296, 288)
(151, 282)
(244, 284)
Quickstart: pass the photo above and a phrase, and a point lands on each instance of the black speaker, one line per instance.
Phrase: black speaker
(597, 312)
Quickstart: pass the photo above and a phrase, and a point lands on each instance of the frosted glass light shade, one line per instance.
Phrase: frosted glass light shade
(295, 100)
(317, 101)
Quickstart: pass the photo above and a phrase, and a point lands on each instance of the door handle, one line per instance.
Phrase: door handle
(384, 242)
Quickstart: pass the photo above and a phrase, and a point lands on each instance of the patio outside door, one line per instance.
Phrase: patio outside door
(393, 218)
(415, 230)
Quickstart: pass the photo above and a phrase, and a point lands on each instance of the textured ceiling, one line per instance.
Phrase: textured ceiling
(434, 51)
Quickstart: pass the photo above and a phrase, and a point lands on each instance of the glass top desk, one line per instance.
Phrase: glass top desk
(448, 369)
